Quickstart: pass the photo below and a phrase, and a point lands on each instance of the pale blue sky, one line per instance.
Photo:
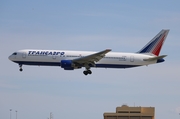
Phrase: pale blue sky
(123, 26)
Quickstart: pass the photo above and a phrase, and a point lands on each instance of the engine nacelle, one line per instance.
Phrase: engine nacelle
(67, 64)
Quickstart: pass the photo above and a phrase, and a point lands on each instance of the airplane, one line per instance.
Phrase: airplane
(70, 60)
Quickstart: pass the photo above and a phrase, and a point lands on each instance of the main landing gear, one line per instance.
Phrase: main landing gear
(20, 66)
(86, 72)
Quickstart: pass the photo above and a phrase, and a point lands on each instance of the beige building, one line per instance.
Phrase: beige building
(125, 112)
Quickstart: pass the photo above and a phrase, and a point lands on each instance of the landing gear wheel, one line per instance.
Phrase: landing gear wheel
(85, 72)
(21, 69)
(89, 71)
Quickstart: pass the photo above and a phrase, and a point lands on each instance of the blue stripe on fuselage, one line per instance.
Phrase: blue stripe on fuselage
(58, 64)
(38, 63)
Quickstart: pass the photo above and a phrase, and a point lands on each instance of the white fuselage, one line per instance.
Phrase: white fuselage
(70, 60)
(54, 57)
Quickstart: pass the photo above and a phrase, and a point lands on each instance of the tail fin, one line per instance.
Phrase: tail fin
(155, 45)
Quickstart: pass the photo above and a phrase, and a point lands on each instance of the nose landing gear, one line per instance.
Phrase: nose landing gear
(20, 66)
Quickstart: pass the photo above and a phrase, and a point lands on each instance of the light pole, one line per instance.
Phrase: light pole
(10, 113)
(16, 114)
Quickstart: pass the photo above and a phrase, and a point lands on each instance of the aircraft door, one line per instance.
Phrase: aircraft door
(24, 55)
(132, 58)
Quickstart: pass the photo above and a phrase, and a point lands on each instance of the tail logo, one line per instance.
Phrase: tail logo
(155, 45)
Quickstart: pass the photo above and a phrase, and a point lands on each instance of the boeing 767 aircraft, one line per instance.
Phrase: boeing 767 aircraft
(70, 60)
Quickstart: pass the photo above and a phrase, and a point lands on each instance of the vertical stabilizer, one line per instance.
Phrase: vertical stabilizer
(155, 45)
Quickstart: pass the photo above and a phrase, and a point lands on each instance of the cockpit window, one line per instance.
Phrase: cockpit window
(14, 53)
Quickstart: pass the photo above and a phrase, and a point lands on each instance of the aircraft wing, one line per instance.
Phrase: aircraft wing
(155, 58)
(91, 59)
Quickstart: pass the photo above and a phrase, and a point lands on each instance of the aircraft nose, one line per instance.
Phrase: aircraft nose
(10, 57)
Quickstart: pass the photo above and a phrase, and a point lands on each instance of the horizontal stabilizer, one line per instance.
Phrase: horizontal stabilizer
(155, 58)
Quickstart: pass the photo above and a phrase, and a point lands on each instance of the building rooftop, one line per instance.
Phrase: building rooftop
(125, 110)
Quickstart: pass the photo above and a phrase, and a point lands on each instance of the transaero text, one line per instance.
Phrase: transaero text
(45, 53)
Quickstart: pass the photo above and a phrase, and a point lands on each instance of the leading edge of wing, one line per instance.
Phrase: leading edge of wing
(93, 57)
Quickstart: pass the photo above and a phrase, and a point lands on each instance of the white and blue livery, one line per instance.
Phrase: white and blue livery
(70, 60)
